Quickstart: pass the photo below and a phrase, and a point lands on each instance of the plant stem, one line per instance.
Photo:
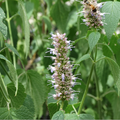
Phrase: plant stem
(10, 31)
(98, 95)
(97, 88)
(86, 90)
(62, 104)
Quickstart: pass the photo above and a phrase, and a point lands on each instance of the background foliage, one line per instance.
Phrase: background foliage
(25, 28)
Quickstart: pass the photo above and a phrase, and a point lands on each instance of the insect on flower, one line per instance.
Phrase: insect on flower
(91, 6)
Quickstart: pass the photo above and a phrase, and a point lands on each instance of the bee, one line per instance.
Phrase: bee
(92, 7)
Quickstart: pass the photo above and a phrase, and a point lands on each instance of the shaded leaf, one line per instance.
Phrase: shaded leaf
(4, 89)
(115, 102)
(23, 15)
(115, 71)
(69, 108)
(19, 98)
(48, 23)
(13, 49)
(53, 108)
(59, 12)
(13, 72)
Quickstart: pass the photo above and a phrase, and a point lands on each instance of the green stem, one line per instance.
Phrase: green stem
(97, 88)
(10, 31)
(78, 19)
(62, 104)
(5, 71)
(86, 90)
(98, 95)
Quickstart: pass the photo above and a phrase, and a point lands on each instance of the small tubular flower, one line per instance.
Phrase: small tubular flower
(91, 11)
(62, 79)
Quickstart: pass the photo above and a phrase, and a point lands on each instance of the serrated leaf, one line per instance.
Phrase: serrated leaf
(115, 71)
(59, 12)
(13, 49)
(12, 114)
(93, 39)
(53, 108)
(22, 113)
(71, 117)
(5, 113)
(19, 98)
(23, 15)
(28, 103)
(86, 117)
(13, 72)
(34, 85)
(58, 116)
(48, 23)
(4, 89)
(112, 17)
(3, 27)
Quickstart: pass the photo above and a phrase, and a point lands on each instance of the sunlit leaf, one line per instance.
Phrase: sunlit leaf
(93, 39)
(71, 117)
(112, 8)
(3, 27)
(58, 116)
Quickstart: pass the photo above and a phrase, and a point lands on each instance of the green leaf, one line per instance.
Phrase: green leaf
(107, 51)
(59, 12)
(4, 89)
(69, 108)
(112, 18)
(22, 113)
(5, 113)
(19, 98)
(3, 27)
(115, 102)
(71, 117)
(93, 39)
(86, 117)
(53, 108)
(12, 114)
(72, 19)
(13, 49)
(29, 104)
(34, 85)
(84, 57)
(58, 116)
(29, 6)
(115, 71)
(23, 15)
(13, 72)
(48, 23)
